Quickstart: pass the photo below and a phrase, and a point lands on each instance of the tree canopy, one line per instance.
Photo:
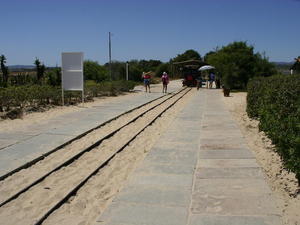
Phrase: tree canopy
(236, 63)
(4, 70)
(187, 55)
(93, 71)
(40, 69)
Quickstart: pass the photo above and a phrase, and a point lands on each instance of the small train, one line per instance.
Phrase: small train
(189, 71)
(190, 76)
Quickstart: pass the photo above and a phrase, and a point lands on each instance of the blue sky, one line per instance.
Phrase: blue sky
(156, 29)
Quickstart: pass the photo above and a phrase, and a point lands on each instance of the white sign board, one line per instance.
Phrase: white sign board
(72, 71)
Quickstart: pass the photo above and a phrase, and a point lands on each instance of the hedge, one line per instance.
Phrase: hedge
(275, 101)
(36, 96)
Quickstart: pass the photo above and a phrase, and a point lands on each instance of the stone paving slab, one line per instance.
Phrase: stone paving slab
(114, 223)
(215, 127)
(231, 186)
(186, 137)
(186, 129)
(233, 205)
(139, 214)
(38, 129)
(161, 180)
(213, 134)
(15, 155)
(143, 194)
(233, 220)
(226, 154)
(222, 144)
(184, 146)
(183, 137)
(17, 135)
(216, 123)
(227, 163)
(6, 142)
(74, 129)
(175, 156)
(171, 168)
(241, 172)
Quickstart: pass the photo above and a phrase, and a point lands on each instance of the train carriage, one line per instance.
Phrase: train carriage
(188, 71)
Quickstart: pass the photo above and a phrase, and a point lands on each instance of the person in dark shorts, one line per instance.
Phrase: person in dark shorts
(199, 81)
(146, 77)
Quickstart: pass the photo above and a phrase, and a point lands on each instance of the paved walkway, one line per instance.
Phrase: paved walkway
(30, 142)
(200, 173)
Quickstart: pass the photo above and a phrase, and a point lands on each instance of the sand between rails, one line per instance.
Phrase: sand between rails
(282, 183)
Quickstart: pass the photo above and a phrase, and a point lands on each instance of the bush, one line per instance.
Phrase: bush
(54, 77)
(275, 101)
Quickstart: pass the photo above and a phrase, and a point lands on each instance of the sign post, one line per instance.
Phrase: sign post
(72, 72)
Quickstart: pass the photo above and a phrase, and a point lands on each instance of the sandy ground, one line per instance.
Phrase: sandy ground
(54, 187)
(282, 183)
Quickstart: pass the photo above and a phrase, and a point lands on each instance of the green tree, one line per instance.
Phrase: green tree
(93, 71)
(40, 69)
(136, 68)
(187, 55)
(164, 67)
(207, 55)
(296, 65)
(54, 77)
(149, 65)
(4, 70)
(135, 71)
(237, 63)
(263, 67)
(118, 70)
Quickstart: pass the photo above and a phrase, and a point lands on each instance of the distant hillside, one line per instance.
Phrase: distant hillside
(283, 63)
(20, 67)
(283, 67)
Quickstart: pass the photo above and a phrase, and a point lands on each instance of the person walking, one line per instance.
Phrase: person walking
(206, 78)
(146, 77)
(211, 79)
(199, 81)
(165, 81)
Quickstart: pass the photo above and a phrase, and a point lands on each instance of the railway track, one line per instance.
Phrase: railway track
(53, 191)
(69, 151)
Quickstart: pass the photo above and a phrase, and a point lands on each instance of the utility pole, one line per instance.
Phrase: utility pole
(127, 70)
(109, 45)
